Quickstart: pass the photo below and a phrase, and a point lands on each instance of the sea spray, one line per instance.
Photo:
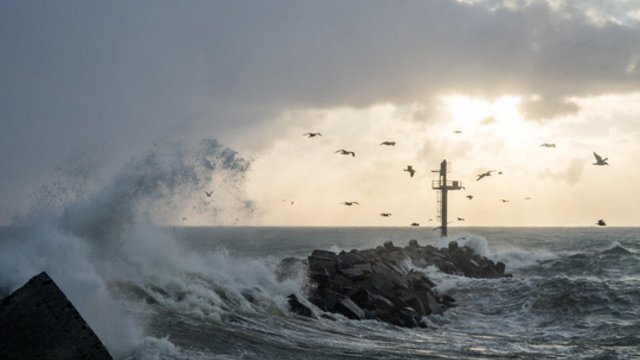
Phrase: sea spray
(90, 238)
(514, 257)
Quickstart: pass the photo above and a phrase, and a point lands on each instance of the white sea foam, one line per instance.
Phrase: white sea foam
(150, 348)
(107, 236)
(513, 257)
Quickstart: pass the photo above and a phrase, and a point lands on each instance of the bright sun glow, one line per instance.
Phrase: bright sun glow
(501, 115)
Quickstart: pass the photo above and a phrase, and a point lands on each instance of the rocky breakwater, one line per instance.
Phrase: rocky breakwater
(383, 283)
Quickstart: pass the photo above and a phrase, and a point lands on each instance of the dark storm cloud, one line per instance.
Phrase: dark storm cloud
(117, 75)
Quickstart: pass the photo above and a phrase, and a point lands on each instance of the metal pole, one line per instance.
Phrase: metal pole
(443, 215)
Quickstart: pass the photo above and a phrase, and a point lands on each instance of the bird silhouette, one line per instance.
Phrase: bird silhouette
(469, 197)
(410, 170)
(504, 200)
(209, 193)
(388, 143)
(415, 224)
(548, 145)
(349, 203)
(484, 174)
(385, 214)
(460, 219)
(312, 134)
(601, 223)
(346, 152)
(599, 160)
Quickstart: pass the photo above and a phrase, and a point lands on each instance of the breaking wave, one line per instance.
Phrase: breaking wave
(92, 238)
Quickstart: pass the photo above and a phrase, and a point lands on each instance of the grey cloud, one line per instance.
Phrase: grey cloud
(540, 109)
(571, 174)
(119, 74)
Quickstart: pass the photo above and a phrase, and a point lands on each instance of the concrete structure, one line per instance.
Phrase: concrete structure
(37, 321)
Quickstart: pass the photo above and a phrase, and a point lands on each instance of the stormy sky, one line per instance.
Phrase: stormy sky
(108, 80)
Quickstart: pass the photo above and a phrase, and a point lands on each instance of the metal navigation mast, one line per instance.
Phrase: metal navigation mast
(444, 186)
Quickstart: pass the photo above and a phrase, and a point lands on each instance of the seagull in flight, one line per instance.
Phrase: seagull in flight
(601, 223)
(469, 197)
(385, 214)
(388, 143)
(599, 160)
(415, 224)
(460, 219)
(346, 152)
(349, 203)
(484, 174)
(312, 134)
(209, 193)
(548, 145)
(504, 200)
(410, 170)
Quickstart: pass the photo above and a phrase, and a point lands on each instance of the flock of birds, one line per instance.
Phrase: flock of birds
(600, 161)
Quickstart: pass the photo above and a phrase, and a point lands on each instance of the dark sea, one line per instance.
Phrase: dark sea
(211, 293)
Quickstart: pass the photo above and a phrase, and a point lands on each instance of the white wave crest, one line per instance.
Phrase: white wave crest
(107, 236)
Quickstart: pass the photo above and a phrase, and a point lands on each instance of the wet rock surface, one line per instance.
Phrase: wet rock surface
(382, 283)
(37, 321)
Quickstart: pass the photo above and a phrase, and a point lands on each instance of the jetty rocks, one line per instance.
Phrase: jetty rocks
(37, 321)
(383, 283)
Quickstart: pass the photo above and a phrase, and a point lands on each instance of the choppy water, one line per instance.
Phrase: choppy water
(152, 292)
(575, 293)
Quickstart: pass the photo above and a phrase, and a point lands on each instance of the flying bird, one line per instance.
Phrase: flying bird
(385, 214)
(410, 170)
(599, 160)
(349, 203)
(469, 197)
(415, 224)
(388, 143)
(548, 145)
(310, 134)
(209, 193)
(457, 131)
(504, 200)
(601, 223)
(484, 174)
(499, 172)
(346, 152)
(460, 219)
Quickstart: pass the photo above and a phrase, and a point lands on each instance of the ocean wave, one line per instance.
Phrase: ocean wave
(98, 239)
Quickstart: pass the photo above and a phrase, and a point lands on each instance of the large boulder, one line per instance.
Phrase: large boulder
(37, 321)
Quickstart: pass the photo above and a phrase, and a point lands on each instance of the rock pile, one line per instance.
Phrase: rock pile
(382, 283)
